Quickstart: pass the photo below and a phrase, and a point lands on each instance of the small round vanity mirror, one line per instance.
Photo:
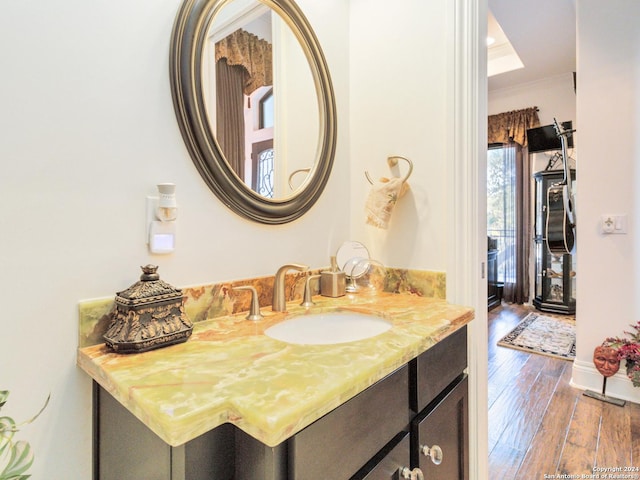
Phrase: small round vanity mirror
(255, 104)
(371, 276)
(349, 258)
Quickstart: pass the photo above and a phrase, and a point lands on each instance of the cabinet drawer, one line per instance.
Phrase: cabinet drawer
(436, 368)
(387, 464)
(340, 443)
(444, 426)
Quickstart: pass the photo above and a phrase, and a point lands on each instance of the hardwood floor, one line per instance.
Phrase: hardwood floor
(539, 425)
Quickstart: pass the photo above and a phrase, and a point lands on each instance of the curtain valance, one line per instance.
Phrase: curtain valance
(252, 53)
(512, 126)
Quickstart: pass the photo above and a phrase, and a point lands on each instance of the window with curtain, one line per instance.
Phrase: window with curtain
(500, 205)
(508, 198)
(503, 220)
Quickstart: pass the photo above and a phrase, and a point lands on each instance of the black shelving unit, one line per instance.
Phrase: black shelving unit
(555, 275)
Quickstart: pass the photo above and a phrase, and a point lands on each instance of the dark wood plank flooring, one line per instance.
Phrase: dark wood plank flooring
(539, 425)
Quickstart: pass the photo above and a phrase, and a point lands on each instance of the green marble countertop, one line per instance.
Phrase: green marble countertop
(229, 371)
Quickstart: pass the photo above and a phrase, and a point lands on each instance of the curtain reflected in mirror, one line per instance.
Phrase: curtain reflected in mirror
(266, 118)
(230, 107)
(243, 66)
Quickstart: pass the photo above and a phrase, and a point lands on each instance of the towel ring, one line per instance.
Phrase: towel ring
(392, 162)
(294, 173)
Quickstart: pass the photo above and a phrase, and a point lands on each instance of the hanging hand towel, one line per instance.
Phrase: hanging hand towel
(382, 199)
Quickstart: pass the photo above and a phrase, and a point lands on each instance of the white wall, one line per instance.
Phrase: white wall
(400, 105)
(554, 97)
(87, 129)
(608, 112)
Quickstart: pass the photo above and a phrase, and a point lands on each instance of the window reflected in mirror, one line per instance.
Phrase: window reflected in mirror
(266, 117)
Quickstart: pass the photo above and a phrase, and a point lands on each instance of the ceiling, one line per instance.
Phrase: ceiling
(542, 33)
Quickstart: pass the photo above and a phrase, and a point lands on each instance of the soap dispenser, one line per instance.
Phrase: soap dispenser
(333, 282)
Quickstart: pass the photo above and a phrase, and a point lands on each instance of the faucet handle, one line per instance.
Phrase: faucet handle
(306, 301)
(254, 309)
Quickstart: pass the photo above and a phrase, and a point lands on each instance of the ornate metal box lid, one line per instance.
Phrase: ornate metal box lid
(148, 315)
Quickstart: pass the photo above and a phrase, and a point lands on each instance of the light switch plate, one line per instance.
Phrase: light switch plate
(614, 223)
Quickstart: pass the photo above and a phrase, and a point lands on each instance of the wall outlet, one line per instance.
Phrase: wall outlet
(614, 223)
(161, 236)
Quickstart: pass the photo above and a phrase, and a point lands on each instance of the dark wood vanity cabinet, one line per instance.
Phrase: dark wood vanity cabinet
(340, 443)
(372, 436)
(420, 408)
(387, 463)
(439, 429)
(124, 448)
(440, 436)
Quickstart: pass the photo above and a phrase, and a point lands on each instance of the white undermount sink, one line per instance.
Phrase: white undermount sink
(328, 328)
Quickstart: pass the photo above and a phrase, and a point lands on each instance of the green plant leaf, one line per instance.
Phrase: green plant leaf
(7, 430)
(7, 424)
(17, 457)
(4, 460)
(19, 462)
(15, 477)
(46, 402)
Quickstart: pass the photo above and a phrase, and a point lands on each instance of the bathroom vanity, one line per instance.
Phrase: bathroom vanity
(232, 403)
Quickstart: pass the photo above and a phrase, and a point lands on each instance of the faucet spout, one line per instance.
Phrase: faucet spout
(279, 302)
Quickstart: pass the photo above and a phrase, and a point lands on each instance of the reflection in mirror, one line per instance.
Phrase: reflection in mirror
(288, 103)
(261, 100)
(293, 174)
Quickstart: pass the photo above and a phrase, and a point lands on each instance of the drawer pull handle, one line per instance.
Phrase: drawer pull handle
(434, 453)
(415, 474)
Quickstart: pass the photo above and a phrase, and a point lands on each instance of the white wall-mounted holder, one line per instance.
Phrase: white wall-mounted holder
(162, 212)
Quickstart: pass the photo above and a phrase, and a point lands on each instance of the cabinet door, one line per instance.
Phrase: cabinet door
(444, 427)
(125, 447)
(336, 446)
(389, 462)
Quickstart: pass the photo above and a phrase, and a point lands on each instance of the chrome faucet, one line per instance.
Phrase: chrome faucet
(279, 302)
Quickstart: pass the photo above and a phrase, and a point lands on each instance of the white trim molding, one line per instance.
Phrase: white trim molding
(466, 198)
(585, 376)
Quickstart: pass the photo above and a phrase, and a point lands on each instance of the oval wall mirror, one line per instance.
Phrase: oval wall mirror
(255, 104)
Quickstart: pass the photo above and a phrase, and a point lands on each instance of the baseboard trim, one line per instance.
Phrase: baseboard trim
(586, 377)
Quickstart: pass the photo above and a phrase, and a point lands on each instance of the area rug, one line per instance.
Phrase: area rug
(545, 335)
